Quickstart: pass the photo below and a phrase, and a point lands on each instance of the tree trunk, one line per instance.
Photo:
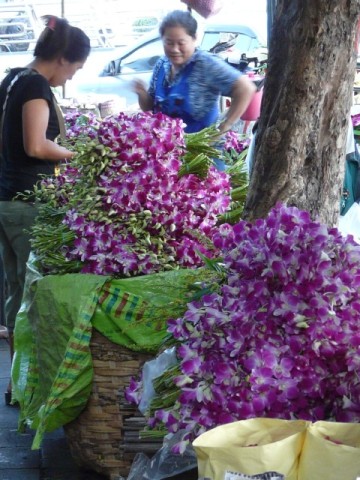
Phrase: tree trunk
(301, 137)
(270, 10)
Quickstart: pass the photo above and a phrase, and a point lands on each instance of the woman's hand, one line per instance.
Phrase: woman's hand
(139, 86)
(224, 126)
(145, 100)
(241, 96)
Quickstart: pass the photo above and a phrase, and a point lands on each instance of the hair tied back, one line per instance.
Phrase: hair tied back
(51, 23)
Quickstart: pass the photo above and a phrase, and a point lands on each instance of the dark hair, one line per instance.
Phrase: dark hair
(60, 39)
(179, 18)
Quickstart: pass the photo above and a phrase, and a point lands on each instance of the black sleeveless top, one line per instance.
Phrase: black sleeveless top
(18, 171)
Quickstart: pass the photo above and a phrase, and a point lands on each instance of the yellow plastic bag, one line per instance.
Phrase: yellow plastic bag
(251, 446)
(331, 451)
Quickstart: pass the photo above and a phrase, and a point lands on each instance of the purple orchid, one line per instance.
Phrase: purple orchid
(280, 338)
(130, 211)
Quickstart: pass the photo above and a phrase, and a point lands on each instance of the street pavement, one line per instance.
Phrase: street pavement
(17, 461)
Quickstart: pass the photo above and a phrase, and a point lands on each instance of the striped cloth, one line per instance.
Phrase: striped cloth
(52, 372)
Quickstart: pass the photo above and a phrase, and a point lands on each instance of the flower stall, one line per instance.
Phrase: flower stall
(139, 249)
(118, 248)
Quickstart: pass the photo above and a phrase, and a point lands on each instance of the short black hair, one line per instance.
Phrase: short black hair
(179, 18)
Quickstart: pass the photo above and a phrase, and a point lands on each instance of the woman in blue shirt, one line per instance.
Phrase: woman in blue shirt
(187, 83)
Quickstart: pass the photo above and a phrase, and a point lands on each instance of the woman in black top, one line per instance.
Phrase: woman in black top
(30, 127)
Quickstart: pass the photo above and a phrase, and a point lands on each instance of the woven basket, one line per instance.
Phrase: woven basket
(95, 436)
(107, 108)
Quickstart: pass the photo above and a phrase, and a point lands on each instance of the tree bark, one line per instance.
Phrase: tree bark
(301, 137)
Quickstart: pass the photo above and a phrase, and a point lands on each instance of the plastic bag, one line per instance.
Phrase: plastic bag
(164, 464)
(205, 8)
(151, 370)
(331, 451)
(250, 446)
(349, 224)
(139, 466)
(52, 368)
(24, 339)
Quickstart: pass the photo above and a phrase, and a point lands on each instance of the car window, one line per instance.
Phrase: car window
(217, 42)
(246, 44)
(143, 58)
(209, 41)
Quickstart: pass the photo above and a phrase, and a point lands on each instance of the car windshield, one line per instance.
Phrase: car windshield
(144, 58)
(217, 42)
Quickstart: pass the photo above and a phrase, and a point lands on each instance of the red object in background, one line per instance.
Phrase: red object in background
(252, 112)
(205, 8)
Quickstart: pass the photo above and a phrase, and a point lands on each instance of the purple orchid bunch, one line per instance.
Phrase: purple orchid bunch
(279, 338)
(355, 120)
(356, 125)
(234, 141)
(128, 209)
(79, 124)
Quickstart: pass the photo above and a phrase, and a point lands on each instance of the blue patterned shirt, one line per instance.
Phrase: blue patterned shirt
(196, 88)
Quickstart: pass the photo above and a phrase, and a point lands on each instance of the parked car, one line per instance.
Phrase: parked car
(137, 61)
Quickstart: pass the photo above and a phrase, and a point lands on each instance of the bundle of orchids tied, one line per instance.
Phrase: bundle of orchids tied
(139, 197)
(279, 337)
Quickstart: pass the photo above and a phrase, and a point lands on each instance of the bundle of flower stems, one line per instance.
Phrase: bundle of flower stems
(139, 197)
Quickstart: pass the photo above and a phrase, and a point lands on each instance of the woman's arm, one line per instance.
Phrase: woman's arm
(35, 120)
(241, 94)
(145, 100)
